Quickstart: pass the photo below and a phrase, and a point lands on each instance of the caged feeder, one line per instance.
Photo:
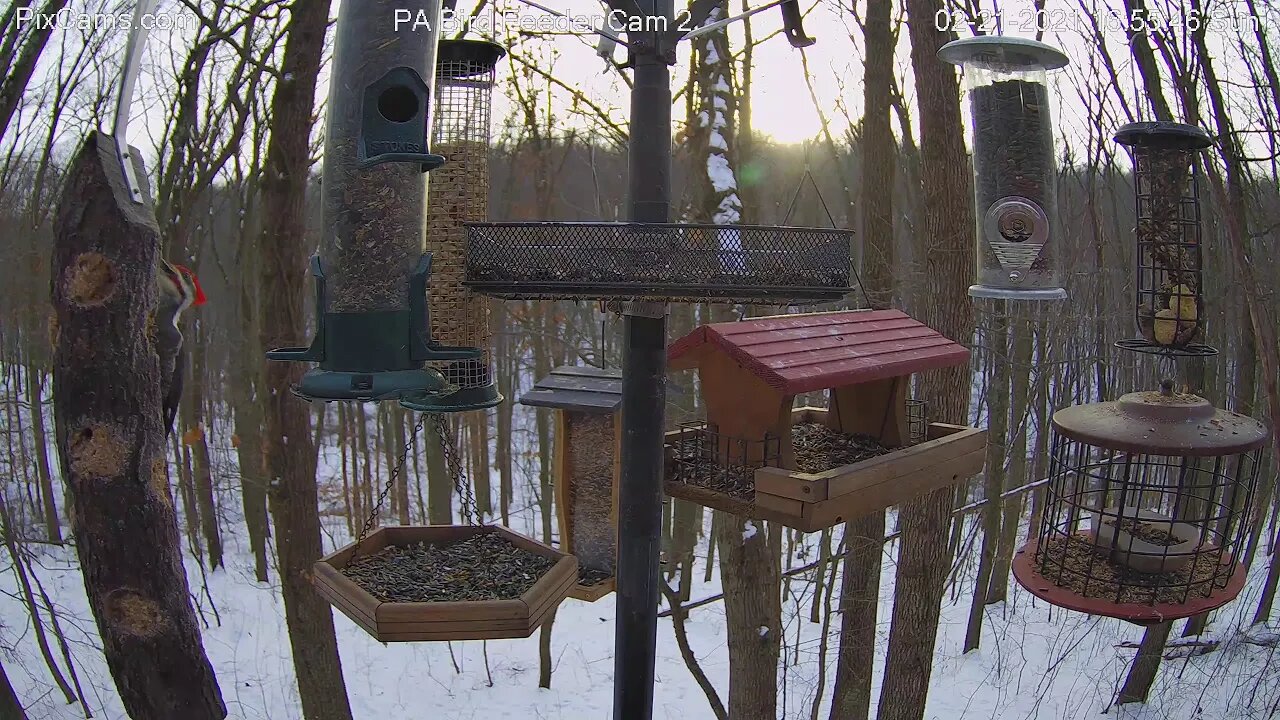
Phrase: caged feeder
(588, 438)
(1147, 508)
(373, 333)
(665, 262)
(459, 193)
(1169, 282)
(810, 468)
(1014, 172)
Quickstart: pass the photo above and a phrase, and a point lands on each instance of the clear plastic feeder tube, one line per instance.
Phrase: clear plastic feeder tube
(1014, 172)
(378, 125)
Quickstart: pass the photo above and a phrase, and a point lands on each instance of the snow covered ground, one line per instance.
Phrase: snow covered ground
(1035, 662)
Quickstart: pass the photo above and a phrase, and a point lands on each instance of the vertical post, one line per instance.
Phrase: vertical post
(643, 379)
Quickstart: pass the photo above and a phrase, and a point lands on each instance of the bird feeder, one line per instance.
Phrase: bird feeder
(1169, 283)
(588, 438)
(373, 334)
(1014, 173)
(1147, 508)
(396, 563)
(459, 193)
(810, 468)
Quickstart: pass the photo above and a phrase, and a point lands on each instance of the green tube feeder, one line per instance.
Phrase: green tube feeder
(373, 329)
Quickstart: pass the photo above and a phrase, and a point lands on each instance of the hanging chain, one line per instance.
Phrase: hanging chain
(386, 490)
(461, 483)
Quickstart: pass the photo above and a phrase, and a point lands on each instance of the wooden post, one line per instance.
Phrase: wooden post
(106, 402)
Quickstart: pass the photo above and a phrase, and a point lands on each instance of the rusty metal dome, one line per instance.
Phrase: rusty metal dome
(1161, 422)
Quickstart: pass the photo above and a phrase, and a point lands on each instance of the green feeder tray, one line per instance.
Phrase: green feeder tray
(380, 355)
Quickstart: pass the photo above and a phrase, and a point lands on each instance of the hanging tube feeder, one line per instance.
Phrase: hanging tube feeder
(1169, 286)
(373, 333)
(1013, 165)
(458, 194)
(1148, 508)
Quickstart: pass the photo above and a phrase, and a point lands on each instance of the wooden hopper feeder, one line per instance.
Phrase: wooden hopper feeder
(457, 620)
(750, 373)
(588, 438)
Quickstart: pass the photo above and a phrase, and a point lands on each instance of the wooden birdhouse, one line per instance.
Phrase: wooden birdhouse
(588, 434)
(811, 468)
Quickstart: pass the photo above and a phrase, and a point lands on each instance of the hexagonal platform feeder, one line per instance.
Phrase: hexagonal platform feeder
(1147, 509)
(588, 437)
(658, 262)
(810, 468)
(470, 617)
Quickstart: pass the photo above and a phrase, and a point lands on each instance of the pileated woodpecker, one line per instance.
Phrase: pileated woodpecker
(178, 290)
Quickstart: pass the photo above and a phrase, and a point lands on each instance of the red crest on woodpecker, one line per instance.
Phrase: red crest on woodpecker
(186, 272)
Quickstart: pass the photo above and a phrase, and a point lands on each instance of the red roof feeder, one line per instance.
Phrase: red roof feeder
(811, 468)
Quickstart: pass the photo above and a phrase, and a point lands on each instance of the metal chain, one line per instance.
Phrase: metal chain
(386, 490)
(461, 484)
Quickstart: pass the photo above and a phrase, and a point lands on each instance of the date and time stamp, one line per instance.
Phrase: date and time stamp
(1076, 21)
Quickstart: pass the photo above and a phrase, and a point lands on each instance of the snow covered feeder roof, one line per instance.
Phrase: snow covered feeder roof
(802, 353)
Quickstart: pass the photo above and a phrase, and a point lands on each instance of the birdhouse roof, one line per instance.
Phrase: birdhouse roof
(803, 353)
(586, 389)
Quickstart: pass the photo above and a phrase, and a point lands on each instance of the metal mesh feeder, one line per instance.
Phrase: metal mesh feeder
(1169, 286)
(373, 334)
(658, 261)
(1014, 173)
(1147, 508)
(459, 193)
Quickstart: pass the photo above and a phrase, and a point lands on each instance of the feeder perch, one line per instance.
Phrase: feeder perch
(373, 333)
(1169, 283)
(451, 620)
(658, 262)
(459, 193)
(588, 442)
(1014, 175)
(1147, 509)
(744, 459)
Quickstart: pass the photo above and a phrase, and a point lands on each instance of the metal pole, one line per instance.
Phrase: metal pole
(644, 390)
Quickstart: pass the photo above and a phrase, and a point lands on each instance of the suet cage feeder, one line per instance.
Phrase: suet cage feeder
(811, 468)
(373, 332)
(1147, 509)
(588, 432)
(458, 193)
(1014, 172)
(1169, 285)
(371, 603)
(663, 262)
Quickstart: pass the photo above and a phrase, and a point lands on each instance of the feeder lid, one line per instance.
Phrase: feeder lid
(1164, 136)
(586, 389)
(461, 58)
(1008, 52)
(1161, 423)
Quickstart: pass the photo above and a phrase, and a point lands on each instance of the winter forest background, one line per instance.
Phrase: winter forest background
(815, 641)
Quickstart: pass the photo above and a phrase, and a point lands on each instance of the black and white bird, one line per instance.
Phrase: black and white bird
(178, 290)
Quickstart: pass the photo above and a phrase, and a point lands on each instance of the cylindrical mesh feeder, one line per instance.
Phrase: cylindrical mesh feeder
(1014, 172)
(459, 193)
(1147, 508)
(1169, 283)
(372, 331)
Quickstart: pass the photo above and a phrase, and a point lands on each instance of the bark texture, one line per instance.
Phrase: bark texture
(111, 443)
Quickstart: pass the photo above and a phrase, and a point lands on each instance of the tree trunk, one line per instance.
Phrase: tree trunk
(35, 392)
(291, 454)
(948, 263)
(1145, 665)
(1023, 367)
(749, 572)
(111, 444)
(860, 585)
(10, 705)
(995, 365)
(439, 484)
(15, 82)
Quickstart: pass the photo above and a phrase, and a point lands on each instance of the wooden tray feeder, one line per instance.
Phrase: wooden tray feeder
(743, 460)
(451, 620)
(1148, 508)
(588, 440)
